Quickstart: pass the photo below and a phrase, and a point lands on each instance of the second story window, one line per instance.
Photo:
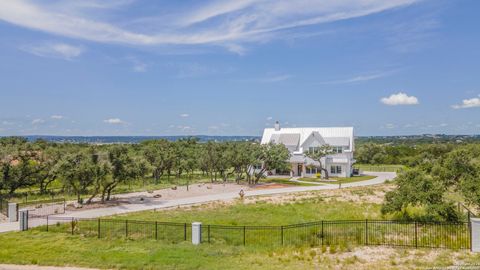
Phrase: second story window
(337, 149)
(313, 149)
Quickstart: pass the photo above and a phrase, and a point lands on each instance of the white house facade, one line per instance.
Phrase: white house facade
(300, 140)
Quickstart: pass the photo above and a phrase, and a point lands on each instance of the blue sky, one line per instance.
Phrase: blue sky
(232, 67)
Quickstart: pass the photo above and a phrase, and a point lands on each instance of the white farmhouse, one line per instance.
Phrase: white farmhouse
(300, 140)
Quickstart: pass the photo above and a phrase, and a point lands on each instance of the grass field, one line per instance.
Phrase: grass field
(340, 179)
(379, 167)
(264, 213)
(44, 248)
(48, 248)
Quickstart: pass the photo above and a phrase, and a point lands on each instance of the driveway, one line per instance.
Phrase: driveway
(136, 204)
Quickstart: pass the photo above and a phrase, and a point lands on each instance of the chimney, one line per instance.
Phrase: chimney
(277, 126)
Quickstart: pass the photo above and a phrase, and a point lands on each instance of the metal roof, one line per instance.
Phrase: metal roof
(336, 136)
(288, 139)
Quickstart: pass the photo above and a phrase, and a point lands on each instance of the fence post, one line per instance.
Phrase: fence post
(156, 230)
(281, 227)
(323, 236)
(366, 232)
(47, 223)
(23, 220)
(244, 234)
(196, 233)
(98, 228)
(126, 228)
(474, 234)
(185, 232)
(72, 226)
(416, 234)
(208, 233)
(12, 212)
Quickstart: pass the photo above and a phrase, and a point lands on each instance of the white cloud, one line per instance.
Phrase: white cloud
(235, 48)
(399, 99)
(37, 121)
(215, 22)
(184, 115)
(54, 50)
(57, 117)
(468, 103)
(138, 66)
(114, 121)
(269, 118)
(390, 126)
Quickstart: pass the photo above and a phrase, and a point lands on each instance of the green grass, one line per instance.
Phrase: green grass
(285, 182)
(262, 213)
(340, 179)
(60, 249)
(379, 167)
(54, 249)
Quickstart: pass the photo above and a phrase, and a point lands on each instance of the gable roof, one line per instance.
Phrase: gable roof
(341, 136)
(288, 139)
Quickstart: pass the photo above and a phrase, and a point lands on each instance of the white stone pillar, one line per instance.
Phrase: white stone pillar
(23, 220)
(475, 223)
(12, 212)
(196, 233)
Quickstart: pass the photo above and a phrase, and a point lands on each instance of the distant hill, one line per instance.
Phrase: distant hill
(135, 139)
(410, 139)
(419, 139)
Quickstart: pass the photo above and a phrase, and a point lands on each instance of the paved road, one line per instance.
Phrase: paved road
(158, 204)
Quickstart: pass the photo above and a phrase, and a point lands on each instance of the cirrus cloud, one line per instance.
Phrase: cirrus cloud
(399, 99)
(227, 23)
(54, 50)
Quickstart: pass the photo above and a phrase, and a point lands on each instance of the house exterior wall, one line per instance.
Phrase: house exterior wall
(316, 137)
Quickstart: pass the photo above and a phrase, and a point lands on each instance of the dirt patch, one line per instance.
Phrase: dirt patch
(377, 258)
(371, 194)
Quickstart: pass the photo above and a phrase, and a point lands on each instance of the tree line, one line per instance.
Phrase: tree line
(438, 176)
(97, 170)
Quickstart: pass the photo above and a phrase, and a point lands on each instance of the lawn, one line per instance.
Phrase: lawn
(264, 213)
(49, 248)
(42, 248)
(285, 181)
(379, 167)
(340, 179)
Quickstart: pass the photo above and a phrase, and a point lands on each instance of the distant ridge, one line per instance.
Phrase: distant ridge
(134, 139)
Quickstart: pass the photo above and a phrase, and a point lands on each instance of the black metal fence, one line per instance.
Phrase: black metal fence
(338, 233)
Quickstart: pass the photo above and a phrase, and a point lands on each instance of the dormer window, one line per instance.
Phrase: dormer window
(337, 149)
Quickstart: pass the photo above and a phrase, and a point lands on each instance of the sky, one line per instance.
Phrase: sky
(234, 67)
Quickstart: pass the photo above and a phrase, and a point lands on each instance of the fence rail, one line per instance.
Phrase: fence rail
(342, 233)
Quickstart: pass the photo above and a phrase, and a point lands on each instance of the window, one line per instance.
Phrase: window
(336, 169)
(257, 166)
(313, 149)
(312, 170)
(337, 149)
